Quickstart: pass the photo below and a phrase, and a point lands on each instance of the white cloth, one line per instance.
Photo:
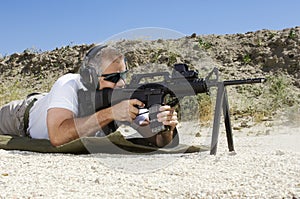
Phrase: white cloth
(143, 115)
(63, 94)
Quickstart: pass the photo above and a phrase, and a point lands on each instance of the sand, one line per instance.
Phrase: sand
(264, 165)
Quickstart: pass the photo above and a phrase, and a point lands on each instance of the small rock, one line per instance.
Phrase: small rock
(244, 124)
(236, 128)
(268, 132)
(194, 35)
(198, 135)
(279, 152)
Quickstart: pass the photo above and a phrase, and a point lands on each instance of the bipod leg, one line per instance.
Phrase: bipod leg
(217, 118)
(226, 114)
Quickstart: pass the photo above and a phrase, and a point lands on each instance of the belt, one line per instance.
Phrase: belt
(26, 116)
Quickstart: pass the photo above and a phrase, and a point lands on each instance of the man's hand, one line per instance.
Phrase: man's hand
(126, 110)
(168, 116)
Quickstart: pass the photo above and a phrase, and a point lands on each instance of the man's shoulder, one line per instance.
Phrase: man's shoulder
(70, 79)
(69, 76)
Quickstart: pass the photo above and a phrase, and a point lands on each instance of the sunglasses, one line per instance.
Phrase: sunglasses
(115, 77)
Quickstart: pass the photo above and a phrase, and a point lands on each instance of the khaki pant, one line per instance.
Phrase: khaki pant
(12, 117)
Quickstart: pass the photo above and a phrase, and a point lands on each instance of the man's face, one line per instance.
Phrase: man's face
(118, 66)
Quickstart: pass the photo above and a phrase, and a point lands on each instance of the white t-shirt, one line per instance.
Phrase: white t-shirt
(63, 94)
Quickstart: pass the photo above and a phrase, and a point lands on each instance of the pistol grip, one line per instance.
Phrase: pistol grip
(155, 125)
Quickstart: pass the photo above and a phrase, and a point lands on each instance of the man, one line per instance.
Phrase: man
(55, 116)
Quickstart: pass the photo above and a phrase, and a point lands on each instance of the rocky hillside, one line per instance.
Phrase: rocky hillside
(264, 51)
(274, 54)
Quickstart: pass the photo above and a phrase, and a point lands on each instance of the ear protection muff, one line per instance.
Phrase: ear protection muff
(88, 73)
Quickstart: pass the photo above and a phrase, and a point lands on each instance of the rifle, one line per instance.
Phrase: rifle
(182, 82)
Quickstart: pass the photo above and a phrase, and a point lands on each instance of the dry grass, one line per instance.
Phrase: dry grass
(17, 89)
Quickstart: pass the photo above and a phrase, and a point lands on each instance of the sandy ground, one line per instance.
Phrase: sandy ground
(265, 165)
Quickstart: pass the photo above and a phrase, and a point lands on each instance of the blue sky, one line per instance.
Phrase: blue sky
(47, 24)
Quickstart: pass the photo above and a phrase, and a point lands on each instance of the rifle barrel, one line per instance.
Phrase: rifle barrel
(244, 81)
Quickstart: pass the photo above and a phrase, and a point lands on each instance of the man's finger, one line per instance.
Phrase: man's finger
(165, 108)
(133, 110)
(132, 116)
(170, 123)
(167, 113)
(137, 102)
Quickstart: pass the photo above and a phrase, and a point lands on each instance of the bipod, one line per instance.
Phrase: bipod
(221, 105)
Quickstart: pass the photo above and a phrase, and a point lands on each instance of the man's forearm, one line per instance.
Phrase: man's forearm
(164, 138)
(91, 124)
(73, 128)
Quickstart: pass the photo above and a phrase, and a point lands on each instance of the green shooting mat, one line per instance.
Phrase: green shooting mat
(114, 143)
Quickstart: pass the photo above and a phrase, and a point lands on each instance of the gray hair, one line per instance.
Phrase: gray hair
(103, 58)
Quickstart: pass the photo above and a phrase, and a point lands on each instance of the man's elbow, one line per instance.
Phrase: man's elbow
(55, 141)
(55, 138)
